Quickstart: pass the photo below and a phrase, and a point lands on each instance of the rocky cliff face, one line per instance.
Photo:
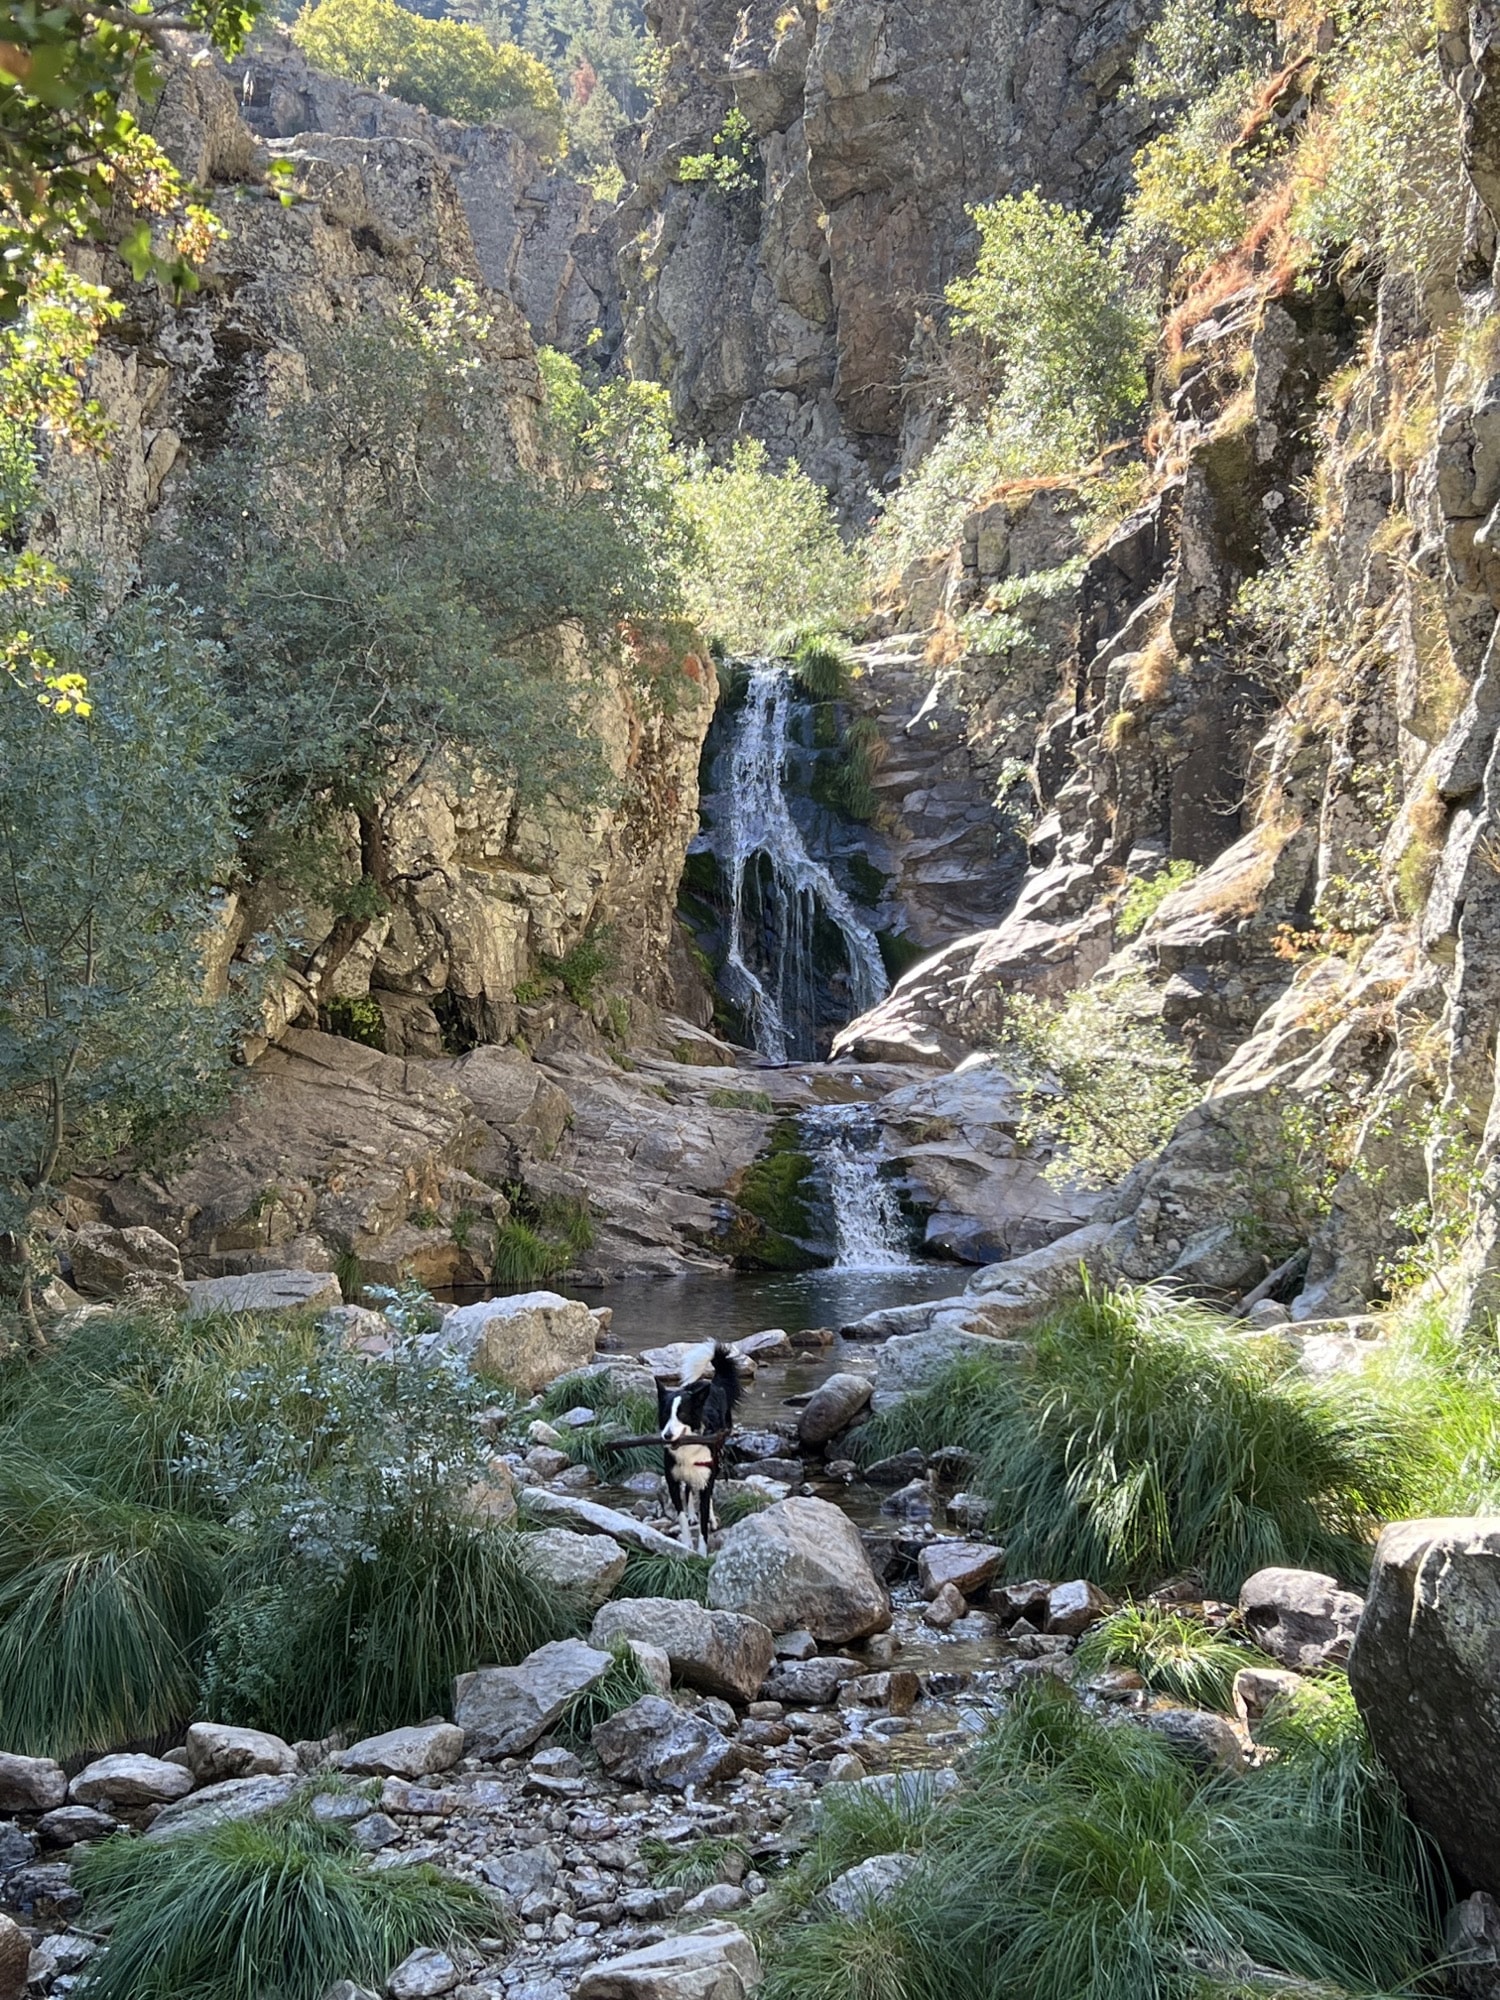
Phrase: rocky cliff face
(486, 890)
(1331, 773)
(791, 306)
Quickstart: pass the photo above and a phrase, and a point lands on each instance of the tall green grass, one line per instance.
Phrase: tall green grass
(1086, 1861)
(615, 1415)
(625, 1683)
(276, 1909)
(1144, 1439)
(1174, 1654)
(664, 1576)
(236, 1512)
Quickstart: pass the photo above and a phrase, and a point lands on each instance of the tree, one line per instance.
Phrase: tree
(448, 66)
(114, 837)
(771, 552)
(72, 153)
(1057, 327)
(388, 595)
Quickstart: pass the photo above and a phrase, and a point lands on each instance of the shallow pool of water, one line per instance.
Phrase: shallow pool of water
(651, 1312)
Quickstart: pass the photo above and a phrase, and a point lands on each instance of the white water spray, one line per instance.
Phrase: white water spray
(869, 1233)
(760, 839)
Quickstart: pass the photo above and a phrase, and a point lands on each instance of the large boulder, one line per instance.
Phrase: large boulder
(525, 1341)
(913, 1360)
(714, 1962)
(30, 1784)
(1300, 1618)
(657, 1744)
(126, 1780)
(503, 1710)
(15, 1958)
(800, 1563)
(232, 1800)
(833, 1407)
(582, 1568)
(215, 1752)
(109, 1263)
(418, 1752)
(264, 1292)
(721, 1652)
(1425, 1671)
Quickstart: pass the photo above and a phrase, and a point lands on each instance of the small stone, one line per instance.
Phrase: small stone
(546, 1461)
(896, 1689)
(405, 1753)
(424, 1975)
(798, 1645)
(504, 1710)
(833, 1407)
(1073, 1607)
(845, 1769)
(656, 1744)
(715, 1900)
(1257, 1689)
(556, 1763)
(869, 1884)
(128, 1780)
(881, 1648)
(1302, 1619)
(720, 1652)
(15, 1959)
(946, 1608)
(656, 1664)
(585, 1568)
(810, 1682)
(30, 1784)
(1206, 1741)
(234, 1799)
(898, 1471)
(17, 1848)
(717, 1962)
(44, 1889)
(966, 1566)
(374, 1831)
(1010, 1601)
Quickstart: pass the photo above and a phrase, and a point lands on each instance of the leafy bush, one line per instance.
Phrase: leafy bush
(283, 1906)
(770, 552)
(244, 1500)
(1144, 1440)
(1174, 1654)
(821, 663)
(449, 67)
(1145, 896)
(1059, 332)
(1195, 45)
(1090, 1862)
(729, 163)
(584, 964)
(1379, 173)
(926, 512)
(1193, 188)
(1098, 1075)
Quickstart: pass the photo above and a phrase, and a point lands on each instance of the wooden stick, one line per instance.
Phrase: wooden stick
(667, 1444)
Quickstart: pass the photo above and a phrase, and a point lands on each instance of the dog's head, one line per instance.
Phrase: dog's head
(680, 1407)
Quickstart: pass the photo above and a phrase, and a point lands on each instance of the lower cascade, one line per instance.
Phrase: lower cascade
(869, 1230)
(779, 892)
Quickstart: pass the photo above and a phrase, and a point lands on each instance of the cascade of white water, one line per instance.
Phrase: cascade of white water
(762, 846)
(869, 1234)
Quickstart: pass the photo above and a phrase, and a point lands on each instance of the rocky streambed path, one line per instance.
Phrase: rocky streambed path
(859, 1629)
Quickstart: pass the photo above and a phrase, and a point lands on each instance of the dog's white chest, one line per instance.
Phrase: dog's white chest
(693, 1465)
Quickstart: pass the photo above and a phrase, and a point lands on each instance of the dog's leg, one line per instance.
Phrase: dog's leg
(706, 1512)
(677, 1499)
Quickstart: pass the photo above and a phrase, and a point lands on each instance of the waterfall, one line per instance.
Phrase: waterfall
(869, 1231)
(778, 891)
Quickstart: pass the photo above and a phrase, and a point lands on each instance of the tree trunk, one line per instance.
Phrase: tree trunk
(321, 964)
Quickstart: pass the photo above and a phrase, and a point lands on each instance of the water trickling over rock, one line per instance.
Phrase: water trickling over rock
(780, 894)
(869, 1230)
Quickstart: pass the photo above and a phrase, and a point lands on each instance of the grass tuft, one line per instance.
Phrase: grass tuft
(692, 1866)
(681, 1576)
(1145, 1440)
(276, 1909)
(1174, 1655)
(616, 1415)
(626, 1681)
(1087, 1860)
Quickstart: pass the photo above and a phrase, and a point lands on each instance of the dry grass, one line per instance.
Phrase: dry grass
(1155, 665)
(1425, 817)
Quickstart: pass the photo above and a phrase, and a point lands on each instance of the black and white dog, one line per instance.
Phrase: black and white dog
(701, 1405)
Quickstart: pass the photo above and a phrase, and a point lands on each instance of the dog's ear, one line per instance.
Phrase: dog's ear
(664, 1395)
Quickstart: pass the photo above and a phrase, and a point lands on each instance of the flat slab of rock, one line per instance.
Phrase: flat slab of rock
(264, 1292)
(715, 1962)
(721, 1652)
(968, 1566)
(800, 1563)
(234, 1799)
(569, 1509)
(126, 1780)
(503, 1710)
(65, 1826)
(30, 1784)
(833, 1407)
(424, 1974)
(666, 1748)
(1303, 1619)
(526, 1341)
(215, 1751)
(810, 1683)
(1425, 1671)
(585, 1568)
(418, 1752)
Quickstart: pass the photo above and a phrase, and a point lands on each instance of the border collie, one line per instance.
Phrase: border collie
(700, 1405)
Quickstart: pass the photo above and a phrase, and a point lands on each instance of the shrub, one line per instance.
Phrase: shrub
(1097, 1075)
(770, 552)
(358, 1020)
(821, 663)
(1193, 188)
(1144, 1440)
(1379, 174)
(1174, 1654)
(448, 66)
(584, 964)
(1090, 1862)
(283, 1906)
(1059, 332)
(926, 512)
(729, 163)
(1145, 896)
(1195, 45)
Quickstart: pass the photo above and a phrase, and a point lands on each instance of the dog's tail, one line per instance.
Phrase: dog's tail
(726, 1374)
